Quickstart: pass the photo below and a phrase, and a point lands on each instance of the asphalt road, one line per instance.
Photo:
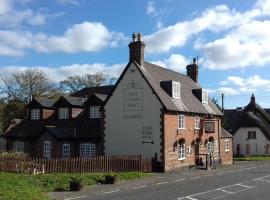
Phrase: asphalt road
(248, 182)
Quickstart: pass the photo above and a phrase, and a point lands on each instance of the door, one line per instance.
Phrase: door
(247, 149)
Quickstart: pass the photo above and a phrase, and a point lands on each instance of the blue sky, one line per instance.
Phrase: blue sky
(68, 37)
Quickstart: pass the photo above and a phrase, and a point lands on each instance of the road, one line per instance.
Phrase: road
(246, 182)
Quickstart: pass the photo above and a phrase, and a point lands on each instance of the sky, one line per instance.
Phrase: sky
(75, 37)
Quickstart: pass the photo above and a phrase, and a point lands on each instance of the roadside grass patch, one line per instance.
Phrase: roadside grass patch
(34, 187)
(251, 158)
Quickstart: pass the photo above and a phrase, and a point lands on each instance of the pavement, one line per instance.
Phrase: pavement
(188, 184)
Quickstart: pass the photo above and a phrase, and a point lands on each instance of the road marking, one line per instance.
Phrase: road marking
(177, 180)
(196, 177)
(223, 189)
(220, 173)
(261, 178)
(113, 191)
(137, 187)
(161, 183)
(72, 198)
(209, 175)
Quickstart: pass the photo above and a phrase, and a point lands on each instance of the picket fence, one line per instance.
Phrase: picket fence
(100, 164)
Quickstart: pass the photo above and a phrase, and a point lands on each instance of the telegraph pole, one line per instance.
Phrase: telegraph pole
(222, 103)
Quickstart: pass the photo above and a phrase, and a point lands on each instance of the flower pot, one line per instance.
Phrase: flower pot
(110, 179)
(75, 186)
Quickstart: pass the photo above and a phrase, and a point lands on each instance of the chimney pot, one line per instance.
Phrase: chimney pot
(139, 36)
(134, 37)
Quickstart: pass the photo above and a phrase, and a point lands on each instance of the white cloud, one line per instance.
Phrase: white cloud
(227, 91)
(84, 37)
(72, 2)
(11, 17)
(175, 62)
(215, 19)
(245, 46)
(151, 8)
(235, 85)
(62, 72)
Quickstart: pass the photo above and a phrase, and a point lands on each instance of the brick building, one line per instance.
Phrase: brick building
(163, 115)
(65, 127)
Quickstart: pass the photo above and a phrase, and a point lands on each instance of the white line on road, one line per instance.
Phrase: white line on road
(177, 180)
(196, 177)
(161, 183)
(72, 198)
(111, 191)
(137, 187)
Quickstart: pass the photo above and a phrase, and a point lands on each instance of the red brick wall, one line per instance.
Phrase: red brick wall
(173, 135)
(226, 157)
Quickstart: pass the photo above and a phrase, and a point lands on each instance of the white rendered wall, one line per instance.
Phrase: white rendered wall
(257, 146)
(132, 118)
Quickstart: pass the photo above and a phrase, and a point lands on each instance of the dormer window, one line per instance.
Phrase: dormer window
(94, 112)
(63, 113)
(205, 96)
(35, 114)
(175, 90)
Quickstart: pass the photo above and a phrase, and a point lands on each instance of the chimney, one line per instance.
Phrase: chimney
(253, 101)
(192, 70)
(136, 49)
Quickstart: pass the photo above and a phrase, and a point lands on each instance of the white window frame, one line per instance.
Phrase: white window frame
(197, 122)
(47, 149)
(94, 112)
(226, 145)
(204, 96)
(181, 121)
(18, 147)
(63, 113)
(35, 114)
(87, 150)
(66, 150)
(210, 147)
(182, 151)
(176, 90)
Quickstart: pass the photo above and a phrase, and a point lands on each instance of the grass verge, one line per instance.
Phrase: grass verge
(35, 187)
(251, 158)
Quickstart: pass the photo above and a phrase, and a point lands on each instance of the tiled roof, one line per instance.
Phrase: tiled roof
(75, 101)
(89, 91)
(46, 102)
(225, 133)
(188, 102)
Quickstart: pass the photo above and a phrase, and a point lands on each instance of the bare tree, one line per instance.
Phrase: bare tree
(23, 85)
(75, 83)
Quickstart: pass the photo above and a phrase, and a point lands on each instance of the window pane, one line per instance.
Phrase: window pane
(47, 149)
(35, 114)
(66, 151)
(94, 112)
(18, 147)
(63, 113)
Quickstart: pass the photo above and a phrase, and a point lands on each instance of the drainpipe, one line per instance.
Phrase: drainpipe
(219, 141)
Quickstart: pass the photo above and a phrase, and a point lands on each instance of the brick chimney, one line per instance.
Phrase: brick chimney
(136, 48)
(192, 70)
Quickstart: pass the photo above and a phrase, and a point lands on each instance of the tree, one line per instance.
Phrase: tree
(74, 83)
(12, 110)
(23, 85)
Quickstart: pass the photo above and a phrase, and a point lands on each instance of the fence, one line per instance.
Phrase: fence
(102, 164)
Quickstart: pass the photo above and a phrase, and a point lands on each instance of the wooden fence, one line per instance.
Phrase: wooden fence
(102, 164)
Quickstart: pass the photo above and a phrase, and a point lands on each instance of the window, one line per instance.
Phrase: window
(210, 147)
(66, 151)
(94, 112)
(226, 145)
(176, 90)
(18, 147)
(182, 150)
(181, 121)
(35, 114)
(88, 150)
(197, 122)
(251, 134)
(47, 149)
(63, 113)
(205, 96)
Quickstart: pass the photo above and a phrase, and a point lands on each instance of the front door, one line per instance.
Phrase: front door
(247, 149)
